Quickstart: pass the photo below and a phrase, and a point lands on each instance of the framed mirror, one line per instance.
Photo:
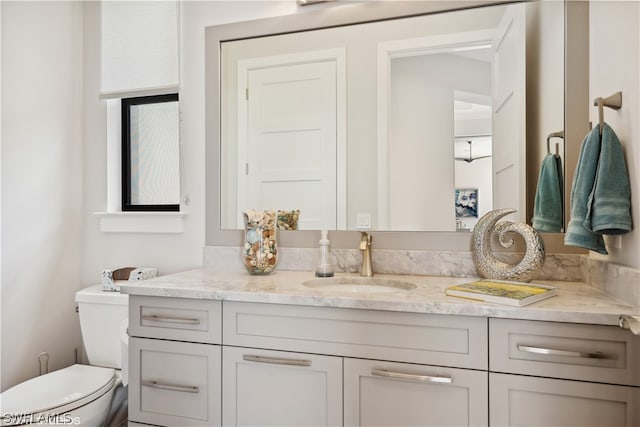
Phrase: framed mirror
(394, 142)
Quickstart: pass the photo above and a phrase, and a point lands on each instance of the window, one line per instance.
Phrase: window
(151, 153)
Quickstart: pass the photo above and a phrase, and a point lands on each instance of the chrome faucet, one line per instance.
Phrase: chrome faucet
(365, 248)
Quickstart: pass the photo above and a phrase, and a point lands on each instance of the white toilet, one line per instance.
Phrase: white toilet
(78, 394)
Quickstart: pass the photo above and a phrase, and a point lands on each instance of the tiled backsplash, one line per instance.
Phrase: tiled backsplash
(619, 282)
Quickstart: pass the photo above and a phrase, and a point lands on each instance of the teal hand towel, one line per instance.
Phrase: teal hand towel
(584, 179)
(609, 204)
(547, 207)
(601, 193)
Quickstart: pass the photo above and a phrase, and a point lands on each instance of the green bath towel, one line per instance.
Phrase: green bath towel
(547, 208)
(609, 204)
(601, 193)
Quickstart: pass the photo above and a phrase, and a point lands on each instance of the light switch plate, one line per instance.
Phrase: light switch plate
(363, 221)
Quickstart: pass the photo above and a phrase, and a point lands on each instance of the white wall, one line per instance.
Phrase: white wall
(422, 155)
(42, 170)
(421, 131)
(545, 87)
(614, 55)
(167, 252)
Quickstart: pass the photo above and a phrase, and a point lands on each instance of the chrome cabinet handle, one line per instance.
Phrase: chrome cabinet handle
(411, 377)
(171, 319)
(276, 360)
(171, 387)
(567, 353)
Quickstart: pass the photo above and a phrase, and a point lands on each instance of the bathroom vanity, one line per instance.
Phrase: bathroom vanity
(211, 347)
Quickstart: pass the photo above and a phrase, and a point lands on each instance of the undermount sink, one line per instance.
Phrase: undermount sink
(359, 284)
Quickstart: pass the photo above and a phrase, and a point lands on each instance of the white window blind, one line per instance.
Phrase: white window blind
(140, 48)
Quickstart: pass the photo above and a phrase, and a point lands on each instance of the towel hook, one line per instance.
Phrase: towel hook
(559, 134)
(612, 101)
(600, 114)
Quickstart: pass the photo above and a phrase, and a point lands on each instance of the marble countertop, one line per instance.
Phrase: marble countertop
(575, 301)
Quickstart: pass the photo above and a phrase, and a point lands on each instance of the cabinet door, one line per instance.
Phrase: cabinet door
(518, 400)
(274, 388)
(399, 394)
(174, 383)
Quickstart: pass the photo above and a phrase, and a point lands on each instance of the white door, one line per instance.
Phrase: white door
(174, 383)
(276, 388)
(521, 400)
(292, 109)
(509, 184)
(380, 393)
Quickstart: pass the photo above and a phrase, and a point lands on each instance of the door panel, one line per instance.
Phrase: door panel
(275, 388)
(518, 400)
(509, 97)
(292, 109)
(380, 393)
(174, 383)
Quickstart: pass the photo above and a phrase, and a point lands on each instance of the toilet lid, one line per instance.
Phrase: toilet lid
(58, 392)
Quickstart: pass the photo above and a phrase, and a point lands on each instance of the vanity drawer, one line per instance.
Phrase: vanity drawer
(174, 383)
(179, 319)
(596, 353)
(456, 341)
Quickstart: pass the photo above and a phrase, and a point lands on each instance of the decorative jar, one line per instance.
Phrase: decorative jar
(260, 251)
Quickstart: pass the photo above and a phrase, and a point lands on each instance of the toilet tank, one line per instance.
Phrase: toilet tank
(103, 316)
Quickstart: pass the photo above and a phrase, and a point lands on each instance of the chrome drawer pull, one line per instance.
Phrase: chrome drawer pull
(567, 353)
(412, 377)
(276, 360)
(171, 387)
(170, 319)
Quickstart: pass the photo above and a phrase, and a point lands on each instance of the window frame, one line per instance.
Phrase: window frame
(126, 104)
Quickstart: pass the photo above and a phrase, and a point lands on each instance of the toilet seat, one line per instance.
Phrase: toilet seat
(56, 392)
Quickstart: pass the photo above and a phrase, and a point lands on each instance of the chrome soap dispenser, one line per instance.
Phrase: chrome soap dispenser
(324, 267)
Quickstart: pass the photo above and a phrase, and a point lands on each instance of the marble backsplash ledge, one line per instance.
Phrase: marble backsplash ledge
(565, 267)
(617, 281)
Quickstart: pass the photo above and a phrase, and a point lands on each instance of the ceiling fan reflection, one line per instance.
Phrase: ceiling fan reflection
(470, 158)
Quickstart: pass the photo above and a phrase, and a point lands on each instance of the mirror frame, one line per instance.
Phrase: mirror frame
(350, 14)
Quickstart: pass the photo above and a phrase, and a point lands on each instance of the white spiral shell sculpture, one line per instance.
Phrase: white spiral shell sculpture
(491, 267)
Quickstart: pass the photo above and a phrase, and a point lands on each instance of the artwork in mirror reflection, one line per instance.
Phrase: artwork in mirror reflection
(375, 125)
(466, 201)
